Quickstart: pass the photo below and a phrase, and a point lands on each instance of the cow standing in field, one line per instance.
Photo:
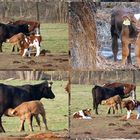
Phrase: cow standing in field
(34, 26)
(28, 43)
(102, 93)
(113, 102)
(26, 111)
(16, 40)
(7, 31)
(129, 89)
(12, 96)
(124, 25)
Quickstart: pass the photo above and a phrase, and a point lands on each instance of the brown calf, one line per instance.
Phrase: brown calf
(16, 40)
(113, 103)
(26, 111)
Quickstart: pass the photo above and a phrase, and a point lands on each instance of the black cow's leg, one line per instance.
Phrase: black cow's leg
(13, 48)
(1, 127)
(0, 47)
(129, 56)
(96, 109)
(109, 110)
(115, 46)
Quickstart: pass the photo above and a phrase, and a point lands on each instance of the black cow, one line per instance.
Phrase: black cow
(102, 93)
(8, 30)
(12, 96)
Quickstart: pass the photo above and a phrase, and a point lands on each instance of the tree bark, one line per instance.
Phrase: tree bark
(82, 30)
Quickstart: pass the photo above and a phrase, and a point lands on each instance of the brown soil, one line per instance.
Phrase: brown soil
(58, 135)
(106, 127)
(48, 61)
(51, 135)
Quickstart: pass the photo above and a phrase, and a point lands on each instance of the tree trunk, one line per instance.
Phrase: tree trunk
(37, 11)
(83, 42)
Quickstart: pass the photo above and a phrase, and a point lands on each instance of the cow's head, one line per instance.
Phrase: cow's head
(46, 90)
(24, 28)
(87, 112)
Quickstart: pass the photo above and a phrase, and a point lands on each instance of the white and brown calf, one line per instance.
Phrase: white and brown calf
(113, 103)
(26, 111)
(83, 114)
(131, 105)
(29, 42)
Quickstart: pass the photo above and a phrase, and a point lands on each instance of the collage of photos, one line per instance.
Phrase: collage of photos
(69, 69)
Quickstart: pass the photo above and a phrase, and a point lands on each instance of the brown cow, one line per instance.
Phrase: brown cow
(127, 32)
(129, 89)
(34, 26)
(130, 35)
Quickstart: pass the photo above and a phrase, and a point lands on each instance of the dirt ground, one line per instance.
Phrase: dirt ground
(48, 61)
(105, 127)
(58, 135)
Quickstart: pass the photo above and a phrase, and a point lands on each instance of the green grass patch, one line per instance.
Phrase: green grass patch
(56, 111)
(54, 38)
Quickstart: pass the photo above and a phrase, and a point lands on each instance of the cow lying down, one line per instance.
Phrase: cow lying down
(26, 111)
(83, 114)
(131, 105)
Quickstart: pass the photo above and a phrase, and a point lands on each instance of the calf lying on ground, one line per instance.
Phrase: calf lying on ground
(26, 111)
(113, 103)
(131, 105)
(83, 114)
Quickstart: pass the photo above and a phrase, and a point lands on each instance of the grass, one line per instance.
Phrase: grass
(56, 111)
(54, 38)
(81, 98)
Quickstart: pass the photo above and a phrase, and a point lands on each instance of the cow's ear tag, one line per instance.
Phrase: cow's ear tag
(126, 22)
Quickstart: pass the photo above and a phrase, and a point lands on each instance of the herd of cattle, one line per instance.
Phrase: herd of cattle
(23, 34)
(112, 94)
(126, 26)
(23, 101)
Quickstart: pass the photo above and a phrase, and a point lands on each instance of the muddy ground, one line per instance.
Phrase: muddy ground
(49, 61)
(105, 127)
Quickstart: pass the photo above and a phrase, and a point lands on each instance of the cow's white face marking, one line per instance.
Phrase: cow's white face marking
(126, 22)
(137, 16)
(49, 85)
(37, 32)
(128, 114)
